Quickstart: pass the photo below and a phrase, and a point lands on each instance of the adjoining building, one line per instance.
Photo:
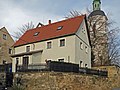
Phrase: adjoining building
(64, 41)
(6, 42)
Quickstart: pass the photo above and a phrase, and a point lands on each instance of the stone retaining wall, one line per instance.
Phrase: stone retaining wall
(65, 81)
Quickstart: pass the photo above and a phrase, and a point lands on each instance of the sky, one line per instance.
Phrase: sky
(15, 13)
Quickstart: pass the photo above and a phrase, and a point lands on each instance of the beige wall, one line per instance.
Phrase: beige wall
(81, 54)
(55, 53)
(5, 45)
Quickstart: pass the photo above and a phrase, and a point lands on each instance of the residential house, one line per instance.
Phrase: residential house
(6, 42)
(64, 41)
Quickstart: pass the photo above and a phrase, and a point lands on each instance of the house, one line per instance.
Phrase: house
(6, 42)
(64, 41)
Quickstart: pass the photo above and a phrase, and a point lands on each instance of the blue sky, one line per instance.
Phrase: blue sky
(15, 13)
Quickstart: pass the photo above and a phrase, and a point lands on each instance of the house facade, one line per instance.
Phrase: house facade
(63, 41)
(6, 42)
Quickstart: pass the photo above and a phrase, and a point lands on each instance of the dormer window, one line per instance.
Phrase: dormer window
(36, 33)
(60, 27)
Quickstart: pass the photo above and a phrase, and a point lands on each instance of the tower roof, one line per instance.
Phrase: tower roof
(97, 0)
(96, 12)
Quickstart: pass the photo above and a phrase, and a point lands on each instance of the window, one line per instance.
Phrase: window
(80, 63)
(49, 45)
(10, 51)
(60, 27)
(17, 61)
(28, 49)
(4, 36)
(86, 49)
(62, 42)
(85, 65)
(4, 62)
(35, 34)
(81, 45)
(61, 60)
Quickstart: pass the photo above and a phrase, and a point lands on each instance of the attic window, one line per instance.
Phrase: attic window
(35, 34)
(60, 27)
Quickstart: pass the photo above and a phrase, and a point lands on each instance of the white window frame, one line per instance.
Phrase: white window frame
(81, 45)
(60, 42)
(4, 36)
(86, 49)
(61, 58)
(27, 50)
(49, 47)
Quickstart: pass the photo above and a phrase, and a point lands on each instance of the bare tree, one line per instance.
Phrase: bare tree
(23, 29)
(104, 39)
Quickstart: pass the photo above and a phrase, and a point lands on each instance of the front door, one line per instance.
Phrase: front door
(25, 63)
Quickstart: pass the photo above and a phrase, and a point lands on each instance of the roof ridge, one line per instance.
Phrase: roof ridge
(57, 22)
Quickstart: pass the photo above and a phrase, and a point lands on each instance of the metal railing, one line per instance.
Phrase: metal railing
(61, 67)
(6, 67)
(93, 72)
(31, 67)
(2, 68)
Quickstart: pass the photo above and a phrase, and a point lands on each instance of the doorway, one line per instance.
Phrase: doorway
(25, 63)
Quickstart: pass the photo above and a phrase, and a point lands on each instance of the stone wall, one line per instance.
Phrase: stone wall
(112, 70)
(65, 81)
(2, 79)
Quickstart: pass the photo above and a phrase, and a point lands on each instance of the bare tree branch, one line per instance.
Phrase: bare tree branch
(23, 29)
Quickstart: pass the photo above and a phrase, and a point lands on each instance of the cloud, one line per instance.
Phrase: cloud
(13, 16)
(15, 13)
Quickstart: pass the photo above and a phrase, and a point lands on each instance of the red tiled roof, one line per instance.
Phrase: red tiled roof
(70, 26)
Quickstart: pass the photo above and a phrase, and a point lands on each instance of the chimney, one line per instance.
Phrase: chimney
(49, 21)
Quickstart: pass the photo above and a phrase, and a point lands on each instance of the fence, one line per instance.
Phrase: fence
(2, 68)
(61, 67)
(93, 72)
(6, 67)
(32, 67)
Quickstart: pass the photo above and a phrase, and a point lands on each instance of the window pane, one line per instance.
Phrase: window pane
(28, 49)
(61, 60)
(4, 37)
(62, 42)
(86, 49)
(48, 45)
(81, 45)
(10, 51)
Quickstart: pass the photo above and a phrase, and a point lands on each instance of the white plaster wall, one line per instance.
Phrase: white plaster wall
(81, 54)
